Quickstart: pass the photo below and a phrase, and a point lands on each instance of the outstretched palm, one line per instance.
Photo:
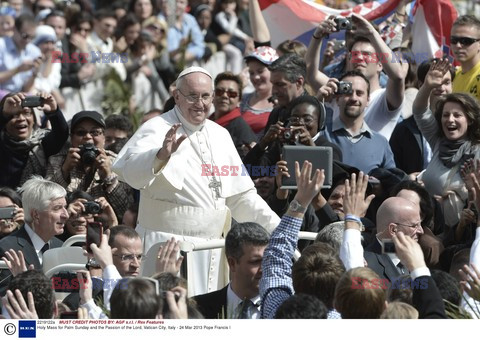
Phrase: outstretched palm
(438, 69)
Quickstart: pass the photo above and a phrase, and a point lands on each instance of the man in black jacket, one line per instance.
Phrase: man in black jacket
(244, 247)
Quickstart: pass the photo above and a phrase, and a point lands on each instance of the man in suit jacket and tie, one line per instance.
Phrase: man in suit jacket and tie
(45, 210)
(394, 215)
(244, 247)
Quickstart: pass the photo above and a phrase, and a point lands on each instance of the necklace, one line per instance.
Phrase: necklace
(214, 184)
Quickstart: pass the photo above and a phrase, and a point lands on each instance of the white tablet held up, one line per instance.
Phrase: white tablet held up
(321, 157)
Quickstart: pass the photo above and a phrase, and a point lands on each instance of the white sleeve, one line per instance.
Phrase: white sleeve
(111, 276)
(471, 305)
(351, 250)
(248, 206)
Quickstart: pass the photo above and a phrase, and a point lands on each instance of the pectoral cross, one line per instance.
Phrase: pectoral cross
(215, 185)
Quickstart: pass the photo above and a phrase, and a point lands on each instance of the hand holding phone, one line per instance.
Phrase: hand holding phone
(33, 101)
(94, 234)
(388, 247)
(7, 213)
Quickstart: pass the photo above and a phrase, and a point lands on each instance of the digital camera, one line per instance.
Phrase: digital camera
(343, 24)
(345, 87)
(92, 208)
(88, 153)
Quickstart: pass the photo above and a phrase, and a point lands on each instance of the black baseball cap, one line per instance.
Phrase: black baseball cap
(82, 115)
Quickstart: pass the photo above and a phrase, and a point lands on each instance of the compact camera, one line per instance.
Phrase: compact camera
(92, 208)
(343, 24)
(290, 135)
(88, 153)
(345, 87)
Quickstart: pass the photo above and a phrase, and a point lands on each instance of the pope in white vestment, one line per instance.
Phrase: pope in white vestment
(178, 197)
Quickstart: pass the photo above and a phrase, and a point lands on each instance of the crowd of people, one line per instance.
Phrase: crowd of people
(159, 123)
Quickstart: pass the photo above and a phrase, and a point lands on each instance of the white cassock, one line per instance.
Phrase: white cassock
(177, 200)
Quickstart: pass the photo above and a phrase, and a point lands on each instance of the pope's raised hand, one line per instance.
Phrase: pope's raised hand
(170, 143)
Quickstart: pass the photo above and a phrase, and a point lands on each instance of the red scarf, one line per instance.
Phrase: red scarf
(227, 118)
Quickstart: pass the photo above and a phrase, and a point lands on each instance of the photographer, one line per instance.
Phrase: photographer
(9, 199)
(83, 209)
(304, 126)
(24, 148)
(87, 166)
(361, 146)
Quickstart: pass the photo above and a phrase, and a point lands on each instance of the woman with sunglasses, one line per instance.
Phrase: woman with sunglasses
(452, 128)
(25, 148)
(227, 97)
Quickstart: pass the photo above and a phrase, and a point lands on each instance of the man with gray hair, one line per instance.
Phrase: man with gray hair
(191, 180)
(244, 247)
(46, 213)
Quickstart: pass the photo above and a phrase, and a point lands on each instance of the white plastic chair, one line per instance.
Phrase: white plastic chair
(63, 259)
(74, 239)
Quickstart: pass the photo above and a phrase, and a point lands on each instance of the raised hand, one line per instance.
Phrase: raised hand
(167, 260)
(170, 143)
(308, 187)
(282, 171)
(434, 77)
(16, 306)
(354, 201)
(471, 281)
(15, 262)
(327, 91)
(326, 27)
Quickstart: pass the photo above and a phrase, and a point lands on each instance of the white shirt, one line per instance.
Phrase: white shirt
(37, 242)
(233, 302)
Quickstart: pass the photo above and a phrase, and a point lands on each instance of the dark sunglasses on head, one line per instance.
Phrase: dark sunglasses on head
(230, 94)
(465, 41)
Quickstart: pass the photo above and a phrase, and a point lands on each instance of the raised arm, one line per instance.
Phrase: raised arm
(260, 31)
(394, 70)
(433, 80)
(355, 205)
(276, 283)
(315, 77)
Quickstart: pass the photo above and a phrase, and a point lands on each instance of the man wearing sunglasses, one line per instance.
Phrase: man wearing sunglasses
(228, 93)
(19, 58)
(465, 44)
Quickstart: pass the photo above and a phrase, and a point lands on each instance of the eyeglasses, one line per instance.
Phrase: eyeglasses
(130, 257)
(297, 120)
(464, 41)
(93, 133)
(230, 93)
(417, 225)
(26, 114)
(193, 98)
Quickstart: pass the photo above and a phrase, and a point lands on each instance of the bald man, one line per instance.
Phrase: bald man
(394, 215)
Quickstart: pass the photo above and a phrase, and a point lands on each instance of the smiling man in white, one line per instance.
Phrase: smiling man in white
(164, 160)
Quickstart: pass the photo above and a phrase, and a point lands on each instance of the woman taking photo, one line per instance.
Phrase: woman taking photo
(24, 148)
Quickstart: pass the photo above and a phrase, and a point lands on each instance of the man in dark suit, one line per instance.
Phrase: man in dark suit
(45, 216)
(244, 247)
(395, 214)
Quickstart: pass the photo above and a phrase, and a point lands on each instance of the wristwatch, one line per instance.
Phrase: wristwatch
(295, 206)
(92, 263)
